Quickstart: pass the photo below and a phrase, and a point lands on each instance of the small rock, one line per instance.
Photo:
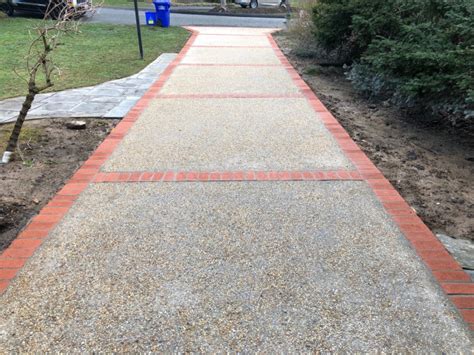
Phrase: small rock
(36, 201)
(76, 125)
(411, 155)
(372, 106)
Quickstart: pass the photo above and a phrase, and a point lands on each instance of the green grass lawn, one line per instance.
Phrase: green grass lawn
(99, 53)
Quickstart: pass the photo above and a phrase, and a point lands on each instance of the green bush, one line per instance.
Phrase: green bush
(418, 53)
(351, 25)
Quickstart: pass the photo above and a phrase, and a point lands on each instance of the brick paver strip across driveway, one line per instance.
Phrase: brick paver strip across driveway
(230, 211)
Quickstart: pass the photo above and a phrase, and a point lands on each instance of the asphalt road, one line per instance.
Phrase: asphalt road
(126, 17)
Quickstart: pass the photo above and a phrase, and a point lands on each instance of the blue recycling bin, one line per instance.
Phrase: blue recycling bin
(162, 12)
(150, 18)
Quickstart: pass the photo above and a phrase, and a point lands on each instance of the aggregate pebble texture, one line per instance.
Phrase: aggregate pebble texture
(207, 135)
(189, 80)
(228, 266)
(234, 41)
(227, 55)
(260, 266)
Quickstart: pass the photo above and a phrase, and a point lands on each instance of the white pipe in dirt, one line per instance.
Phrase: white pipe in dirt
(6, 157)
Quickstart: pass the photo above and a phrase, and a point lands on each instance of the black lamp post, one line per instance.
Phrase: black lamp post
(139, 33)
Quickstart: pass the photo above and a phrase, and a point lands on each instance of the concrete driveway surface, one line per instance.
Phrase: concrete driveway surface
(229, 211)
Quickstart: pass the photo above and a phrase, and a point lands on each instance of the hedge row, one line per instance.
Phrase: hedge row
(417, 53)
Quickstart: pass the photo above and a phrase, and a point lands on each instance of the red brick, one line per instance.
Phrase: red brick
(8, 274)
(26, 243)
(442, 263)
(214, 176)
(203, 176)
(463, 301)
(458, 288)
(261, 175)
(54, 210)
(226, 176)
(9, 263)
(135, 177)
(18, 253)
(48, 218)
(343, 175)
(428, 245)
(296, 175)
(73, 189)
(29, 233)
(468, 315)
(169, 176)
(159, 176)
(238, 175)
(43, 226)
(3, 286)
(124, 177)
(181, 176)
(442, 276)
(355, 175)
(146, 176)
(59, 203)
(284, 175)
(433, 253)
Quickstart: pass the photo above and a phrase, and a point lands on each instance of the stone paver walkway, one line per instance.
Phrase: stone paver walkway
(229, 211)
(112, 99)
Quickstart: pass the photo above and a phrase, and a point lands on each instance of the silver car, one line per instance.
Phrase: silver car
(253, 4)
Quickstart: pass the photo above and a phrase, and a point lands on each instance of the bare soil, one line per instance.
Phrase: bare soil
(431, 165)
(50, 154)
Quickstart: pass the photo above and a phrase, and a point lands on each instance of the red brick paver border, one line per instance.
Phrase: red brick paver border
(454, 281)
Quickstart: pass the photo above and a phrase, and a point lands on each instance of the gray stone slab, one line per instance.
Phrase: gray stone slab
(55, 107)
(63, 104)
(461, 249)
(226, 80)
(122, 109)
(108, 91)
(271, 267)
(230, 134)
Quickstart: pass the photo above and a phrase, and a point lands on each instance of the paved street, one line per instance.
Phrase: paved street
(230, 212)
(127, 17)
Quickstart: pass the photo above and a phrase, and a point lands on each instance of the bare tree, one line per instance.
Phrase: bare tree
(59, 20)
(223, 5)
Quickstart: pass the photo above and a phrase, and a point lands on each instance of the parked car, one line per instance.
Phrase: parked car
(41, 6)
(253, 4)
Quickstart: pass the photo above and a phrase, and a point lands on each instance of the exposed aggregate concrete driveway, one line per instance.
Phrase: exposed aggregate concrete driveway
(216, 266)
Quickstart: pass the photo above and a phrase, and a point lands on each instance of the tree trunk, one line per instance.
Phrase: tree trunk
(13, 141)
(224, 5)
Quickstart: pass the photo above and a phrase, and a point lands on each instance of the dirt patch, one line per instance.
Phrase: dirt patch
(431, 166)
(51, 153)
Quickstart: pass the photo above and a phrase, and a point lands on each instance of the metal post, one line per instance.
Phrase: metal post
(139, 33)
